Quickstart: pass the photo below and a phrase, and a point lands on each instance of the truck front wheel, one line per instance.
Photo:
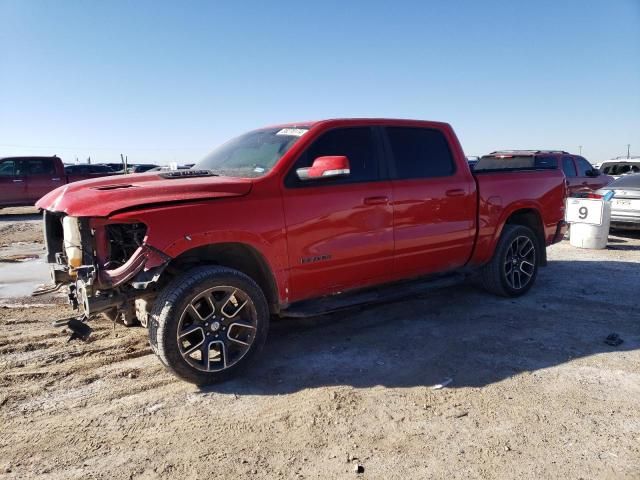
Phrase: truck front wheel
(208, 324)
(514, 266)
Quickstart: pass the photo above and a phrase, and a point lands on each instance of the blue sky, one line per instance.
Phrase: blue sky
(169, 81)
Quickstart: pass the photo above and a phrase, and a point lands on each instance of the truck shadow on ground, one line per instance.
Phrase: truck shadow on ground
(460, 333)
(626, 248)
(619, 235)
(618, 240)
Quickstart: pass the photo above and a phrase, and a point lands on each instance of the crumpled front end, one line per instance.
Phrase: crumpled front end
(109, 266)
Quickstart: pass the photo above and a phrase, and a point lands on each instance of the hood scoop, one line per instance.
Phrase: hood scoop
(187, 174)
(115, 186)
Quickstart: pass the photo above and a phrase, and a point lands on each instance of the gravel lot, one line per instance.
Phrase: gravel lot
(534, 390)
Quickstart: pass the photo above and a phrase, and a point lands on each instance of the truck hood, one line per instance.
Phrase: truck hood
(101, 197)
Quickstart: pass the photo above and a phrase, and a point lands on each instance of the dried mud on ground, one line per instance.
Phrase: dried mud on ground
(22, 224)
(534, 392)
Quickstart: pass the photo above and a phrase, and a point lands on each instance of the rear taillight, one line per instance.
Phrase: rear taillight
(597, 196)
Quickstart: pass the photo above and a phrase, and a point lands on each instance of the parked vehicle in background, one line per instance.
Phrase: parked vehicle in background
(285, 220)
(580, 174)
(166, 168)
(622, 166)
(23, 180)
(88, 170)
(472, 161)
(625, 205)
(142, 167)
(117, 167)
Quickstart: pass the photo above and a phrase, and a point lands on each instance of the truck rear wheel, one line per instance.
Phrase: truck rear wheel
(514, 266)
(208, 324)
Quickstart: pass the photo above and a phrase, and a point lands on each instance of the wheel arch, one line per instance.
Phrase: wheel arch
(239, 256)
(492, 220)
(530, 217)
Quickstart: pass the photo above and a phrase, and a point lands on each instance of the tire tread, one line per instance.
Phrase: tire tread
(491, 275)
(172, 294)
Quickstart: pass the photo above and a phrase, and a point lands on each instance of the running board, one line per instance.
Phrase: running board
(370, 296)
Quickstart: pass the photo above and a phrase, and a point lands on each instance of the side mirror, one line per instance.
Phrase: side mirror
(325, 167)
(594, 172)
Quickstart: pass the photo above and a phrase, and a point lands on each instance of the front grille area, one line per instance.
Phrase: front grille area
(124, 239)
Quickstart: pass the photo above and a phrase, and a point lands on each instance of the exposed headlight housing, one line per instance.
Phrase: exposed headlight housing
(72, 242)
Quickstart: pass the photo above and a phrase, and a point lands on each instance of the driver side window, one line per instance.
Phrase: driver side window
(7, 168)
(583, 167)
(356, 143)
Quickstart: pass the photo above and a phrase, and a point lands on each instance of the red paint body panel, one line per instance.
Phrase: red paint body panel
(323, 239)
(103, 196)
(587, 184)
(501, 194)
(354, 240)
(256, 221)
(583, 183)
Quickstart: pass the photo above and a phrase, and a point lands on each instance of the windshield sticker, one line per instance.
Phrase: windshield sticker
(293, 132)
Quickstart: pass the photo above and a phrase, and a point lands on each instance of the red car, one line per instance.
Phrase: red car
(23, 180)
(580, 174)
(294, 220)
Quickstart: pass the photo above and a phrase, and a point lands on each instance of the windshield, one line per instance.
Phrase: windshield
(252, 154)
(622, 168)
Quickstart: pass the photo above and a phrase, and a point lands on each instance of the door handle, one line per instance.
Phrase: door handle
(381, 200)
(55, 179)
(455, 192)
(18, 181)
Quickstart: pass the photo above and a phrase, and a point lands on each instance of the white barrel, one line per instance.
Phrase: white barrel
(584, 235)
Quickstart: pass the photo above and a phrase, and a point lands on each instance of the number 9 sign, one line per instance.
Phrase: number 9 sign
(584, 210)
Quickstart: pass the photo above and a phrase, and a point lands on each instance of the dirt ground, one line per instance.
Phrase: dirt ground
(19, 225)
(534, 390)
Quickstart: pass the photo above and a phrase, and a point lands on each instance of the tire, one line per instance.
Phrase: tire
(510, 273)
(208, 324)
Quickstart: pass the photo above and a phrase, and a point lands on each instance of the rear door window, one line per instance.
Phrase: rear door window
(37, 166)
(419, 153)
(568, 167)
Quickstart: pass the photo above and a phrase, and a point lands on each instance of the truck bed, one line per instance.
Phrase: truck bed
(502, 192)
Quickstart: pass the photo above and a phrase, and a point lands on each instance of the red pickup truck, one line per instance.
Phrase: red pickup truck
(294, 220)
(23, 180)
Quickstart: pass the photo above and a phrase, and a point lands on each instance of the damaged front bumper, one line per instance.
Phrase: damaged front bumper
(98, 290)
(97, 284)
